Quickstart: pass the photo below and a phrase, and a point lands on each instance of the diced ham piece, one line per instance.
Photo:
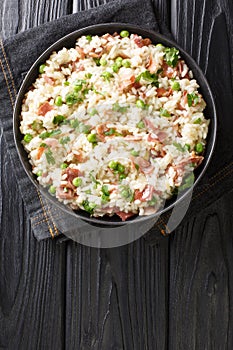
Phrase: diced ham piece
(152, 66)
(145, 195)
(51, 142)
(127, 82)
(168, 71)
(72, 173)
(144, 165)
(60, 193)
(124, 216)
(133, 137)
(141, 42)
(150, 210)
(44, 108)
(157, 134)
(81, 52)
(48, 80)
(40, 151)
(161, 92)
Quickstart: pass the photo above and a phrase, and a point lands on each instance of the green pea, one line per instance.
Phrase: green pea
(140, 104)
(89, 38)
(92, 138)
(52, 189)
(197, 121)
(199, 148)
(41, 68)
(124, 33)
(115, 68)
(119, 61)
(113, 165)
(39, 173)
(58, 101)
(176, 86)
(187, 147)
(159, 45)
(77, 181)
(63, 166)
(120, 168)
(140, 125)
(78, 88)
(126, 64)
(124, 193)
(107, 75)
(134, 153)
(103, 61)
(27, 138)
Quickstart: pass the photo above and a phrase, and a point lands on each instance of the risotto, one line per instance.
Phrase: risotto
(114, 125)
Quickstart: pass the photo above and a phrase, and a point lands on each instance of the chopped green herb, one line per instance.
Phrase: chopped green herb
(187, 182)
(136, 166)
(134, 153)
(41, 68)
(88, 206)
(193, 99)
(92, 112)
(197, 121)
(153, 201)
(83, 128)
(66, 83)
(117, 108)
(140, 125)
(105, 190)
(71, 99)
(27, 138)
(164, 113)
(120, 168)
(112, 165)
(49, 157)
(58, 119)
(148, 77)
(124, 33)
(93, 179)
(88, 75)
(187, 147)
(122, 176)
(47, 134)
(74, 123)
(171, 56)
(97, 61)
(179, 147)
(110, 132)
(39, 173)
(64, 140)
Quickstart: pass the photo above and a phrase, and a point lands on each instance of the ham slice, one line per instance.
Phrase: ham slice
(48, 80)
(145, 195)
(43, 109)
(124, 216)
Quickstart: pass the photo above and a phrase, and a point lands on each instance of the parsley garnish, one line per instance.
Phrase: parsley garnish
(47, 134)
(149, 77)
(193, 99)
(49, 157)
(171, 56)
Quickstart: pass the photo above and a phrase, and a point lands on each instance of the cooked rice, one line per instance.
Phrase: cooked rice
(114, 125)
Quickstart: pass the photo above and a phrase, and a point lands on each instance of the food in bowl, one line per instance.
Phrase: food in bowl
(114, 125)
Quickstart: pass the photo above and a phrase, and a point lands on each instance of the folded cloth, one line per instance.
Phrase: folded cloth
(17, 54)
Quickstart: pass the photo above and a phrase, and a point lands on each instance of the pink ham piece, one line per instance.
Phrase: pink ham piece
(48, 80)
(124, 216)
(60, 193)
(133, 137)
(157, 133)
(150, 210)
(145, 195)
(51, 142)
(43, 109)
(144, 165)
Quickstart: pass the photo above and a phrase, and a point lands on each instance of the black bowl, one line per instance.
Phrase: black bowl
(69, 41)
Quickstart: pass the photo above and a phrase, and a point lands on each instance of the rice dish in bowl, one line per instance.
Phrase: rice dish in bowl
(114, 125)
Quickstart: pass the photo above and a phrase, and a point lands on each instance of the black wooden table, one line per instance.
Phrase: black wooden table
(176, 294)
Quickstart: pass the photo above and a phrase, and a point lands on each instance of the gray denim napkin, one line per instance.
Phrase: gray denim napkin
(17, 54)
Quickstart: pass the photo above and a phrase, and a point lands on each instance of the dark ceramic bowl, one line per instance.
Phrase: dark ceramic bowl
(69, 41)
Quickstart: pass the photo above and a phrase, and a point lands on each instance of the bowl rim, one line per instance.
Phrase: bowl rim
(111, 27)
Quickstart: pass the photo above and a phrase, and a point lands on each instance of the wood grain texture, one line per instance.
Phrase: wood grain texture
(201, 280)
(117, 297)
(31, 275)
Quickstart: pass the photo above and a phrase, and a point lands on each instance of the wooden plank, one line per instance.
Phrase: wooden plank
(31, 274)
(116, 298)
(201, 280)
(200, 310)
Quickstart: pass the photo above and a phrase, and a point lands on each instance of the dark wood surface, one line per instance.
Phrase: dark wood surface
(176, 294)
